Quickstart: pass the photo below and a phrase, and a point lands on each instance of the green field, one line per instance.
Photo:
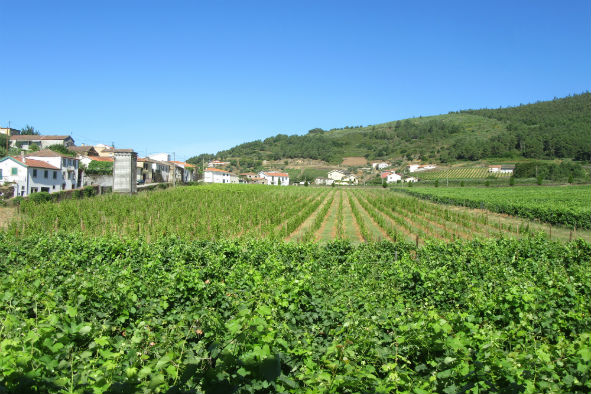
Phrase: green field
(460, 173)
(260, 289)
(566, 205)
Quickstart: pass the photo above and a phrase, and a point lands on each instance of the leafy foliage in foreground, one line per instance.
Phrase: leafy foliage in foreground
(552, 204)
(98, 315)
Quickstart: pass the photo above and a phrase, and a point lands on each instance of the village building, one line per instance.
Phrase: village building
(420, 167)
(29, 175)
(336, 175)
(9, 131)
(275, 178)
(379, 165)
(188, 171)
(42, 141)
(104, 150)
(411, 179)
(323, 181)
(216, 175)
(125, 171)
(502, 169)
(68, 166)
(83, 151)
(218, 163)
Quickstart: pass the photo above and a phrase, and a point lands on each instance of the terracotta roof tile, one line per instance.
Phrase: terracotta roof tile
(34, 163)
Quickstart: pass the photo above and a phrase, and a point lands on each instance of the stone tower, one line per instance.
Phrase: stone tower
(125, 171)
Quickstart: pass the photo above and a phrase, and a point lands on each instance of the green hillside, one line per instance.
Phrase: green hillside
(560, 128)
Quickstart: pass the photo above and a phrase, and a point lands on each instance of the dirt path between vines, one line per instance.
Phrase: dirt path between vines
(348, 213)
(6, 215)
(367, 216)
(331, 211)
(309, 220)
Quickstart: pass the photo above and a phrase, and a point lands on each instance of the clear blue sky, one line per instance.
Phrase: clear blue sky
(196, 76)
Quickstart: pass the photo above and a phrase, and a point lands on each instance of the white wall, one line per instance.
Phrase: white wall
(30, 179)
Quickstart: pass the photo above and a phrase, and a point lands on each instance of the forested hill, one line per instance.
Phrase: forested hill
(560, 128)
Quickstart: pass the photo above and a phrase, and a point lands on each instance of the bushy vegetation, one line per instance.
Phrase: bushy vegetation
(107, 315)
(100, 168)
(552, 171)
(560, 128)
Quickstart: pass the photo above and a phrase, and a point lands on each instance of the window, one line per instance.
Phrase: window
(45, 174)
(0, 173)
(34, 173)
(64, 162)
(55, 175)
(14, 171)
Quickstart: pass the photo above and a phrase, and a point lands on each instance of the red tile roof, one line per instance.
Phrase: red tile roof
(277, 174)
(210, 169)
(28, 137)
(182, 163)
(49, 153)
(100, 158)
(34, 163)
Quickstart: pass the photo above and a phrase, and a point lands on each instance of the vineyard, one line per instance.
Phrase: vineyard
(567, 206)
(293, 214)
(461, 173)
(109, 315)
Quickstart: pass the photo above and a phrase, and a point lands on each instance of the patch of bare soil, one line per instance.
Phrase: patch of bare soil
(354, 161)
(6, 215)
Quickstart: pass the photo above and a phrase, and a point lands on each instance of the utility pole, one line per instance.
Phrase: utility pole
(173, 169)
(8, 138)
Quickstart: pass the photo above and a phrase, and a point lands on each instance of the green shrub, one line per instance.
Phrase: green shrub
(77, 193)
(88, 191)
(40, 197)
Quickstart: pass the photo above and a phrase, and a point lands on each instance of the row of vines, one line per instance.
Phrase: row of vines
(564, 205)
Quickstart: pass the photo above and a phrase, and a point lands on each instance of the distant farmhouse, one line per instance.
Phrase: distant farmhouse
(420, 167)
(216, 175)
(275, 178)
(340, 177)
(502, 169)
(42, 141)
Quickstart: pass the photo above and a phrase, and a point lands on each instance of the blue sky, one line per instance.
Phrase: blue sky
(193, 76)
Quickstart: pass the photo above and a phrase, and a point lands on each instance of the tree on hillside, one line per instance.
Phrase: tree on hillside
(29, 130)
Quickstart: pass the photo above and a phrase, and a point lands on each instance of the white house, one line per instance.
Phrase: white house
(503, 169)
(159, 157)
(30, 175)
(215, 175)
(66, 164)
(411, 179)
(275, 178)
(42, 141)
(324, 181)
(379, 165)
(420, 167)
(393, 177)
(336, 175)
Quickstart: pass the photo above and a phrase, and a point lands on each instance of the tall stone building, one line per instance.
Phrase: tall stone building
(125, 171)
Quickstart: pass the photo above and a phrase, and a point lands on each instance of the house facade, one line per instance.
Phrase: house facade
(66, 164)
(29, 175)
(393, 178)
(275, 178)
(215, 175)
(42, 141)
